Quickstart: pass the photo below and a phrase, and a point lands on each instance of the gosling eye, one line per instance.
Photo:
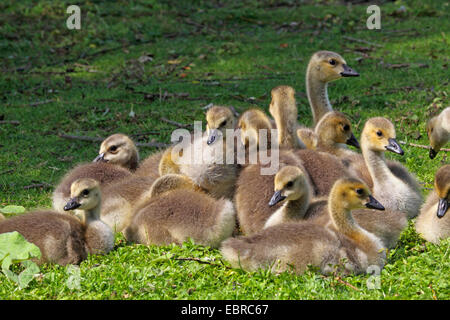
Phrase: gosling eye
(112, 149)
(346, 127)
(223, 123)
(332, 62)
(85, 192)
(360, 191)
(379, 133)
(289, 184)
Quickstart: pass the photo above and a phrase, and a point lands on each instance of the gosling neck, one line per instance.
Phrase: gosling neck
(286, 122)
(134, 161)
(88, 216)
(376, 164)
(317, 93)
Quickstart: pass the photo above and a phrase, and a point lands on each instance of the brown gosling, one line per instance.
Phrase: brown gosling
(299, 244)
(438, 130)
(333, 133)
(293, 189)
(118, 154)
(324, 67)
(213, 173)
(63, 238)
(393, 185)
(433, 223)
(176, 211)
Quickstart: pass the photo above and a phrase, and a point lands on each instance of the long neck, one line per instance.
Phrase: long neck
(343, 221)
(376, 164)
(286, 122)
(317, 95)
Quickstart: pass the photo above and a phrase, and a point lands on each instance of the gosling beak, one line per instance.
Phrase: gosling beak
(100, 158)
(72, 204)
(213, 135)
(349, 72)
(442, 208)
(374, 204)
(277, 197)
(433, 153)
(394, 147)
(352, 141)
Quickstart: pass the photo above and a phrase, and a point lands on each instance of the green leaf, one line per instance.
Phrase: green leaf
(12, 209)
(14, 245)
(15, 249)
(25, 277)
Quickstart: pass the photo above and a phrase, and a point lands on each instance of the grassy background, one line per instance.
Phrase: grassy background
(168, 59)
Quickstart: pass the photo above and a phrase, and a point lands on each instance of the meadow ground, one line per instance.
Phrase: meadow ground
(135, 64)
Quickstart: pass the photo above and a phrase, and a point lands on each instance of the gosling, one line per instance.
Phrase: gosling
(118, 154)
(176, 210)
(433, 223)
(63, 238)
(297, 245)
(438, 130)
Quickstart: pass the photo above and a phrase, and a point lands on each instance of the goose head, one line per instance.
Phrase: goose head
(290, 184)
(283, 101)
(219, 119)
(84, 195)
(350, 194)
(328, 66)
(438, 130)
(250, 123)
(335, 127)
(118, 149)
(442, 187)
(379, 135)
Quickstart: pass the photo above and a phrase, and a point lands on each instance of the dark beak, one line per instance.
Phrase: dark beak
(100, 158)
(433, 153)
(442, 208)
(349, 72)
(352, 141)
(72, 204)
(393, 146)
(374, 204)
(277, 197)
(213, 135)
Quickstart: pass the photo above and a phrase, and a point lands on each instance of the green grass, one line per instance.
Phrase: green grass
(236, 52)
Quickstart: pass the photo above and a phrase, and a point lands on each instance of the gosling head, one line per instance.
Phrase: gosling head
(353, 194)
(379, 135)
(249, 123)
(219, 119)
(290, 184)
(118, 149)
(329, 66)
(84, 195)
(282, 97)
(336, 128)
(442, 187)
